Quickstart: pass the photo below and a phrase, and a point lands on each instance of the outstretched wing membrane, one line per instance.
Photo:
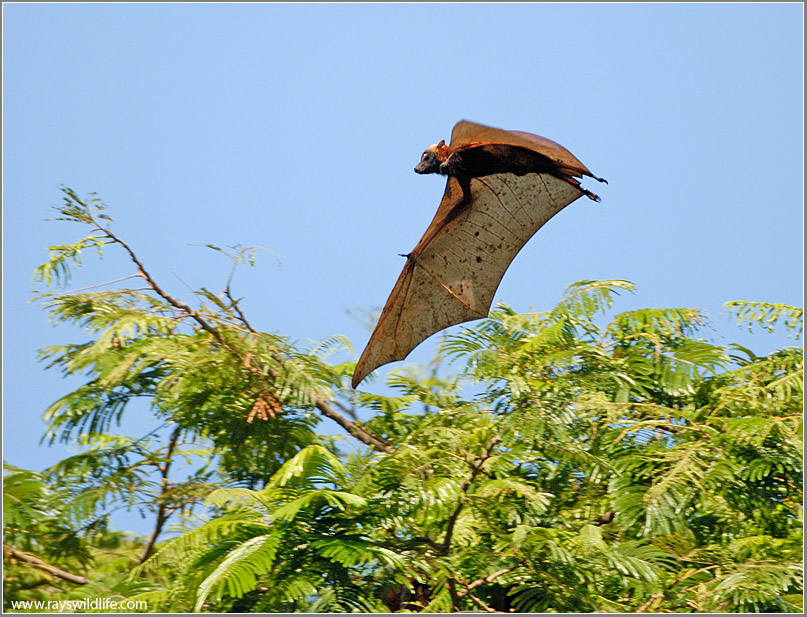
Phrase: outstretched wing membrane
(452, 274)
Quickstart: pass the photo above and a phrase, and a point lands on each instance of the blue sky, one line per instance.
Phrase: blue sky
(296, 128)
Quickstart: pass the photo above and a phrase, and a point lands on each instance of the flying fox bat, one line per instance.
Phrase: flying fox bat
(502, 187)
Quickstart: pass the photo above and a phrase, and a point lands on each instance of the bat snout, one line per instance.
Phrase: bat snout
(427, 166)
(429, 162)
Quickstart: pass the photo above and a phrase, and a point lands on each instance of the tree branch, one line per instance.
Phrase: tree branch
(348, 410)
(484, 581)
(178, 304)
(51, 569)
(481, 604)
(163, 510)
(353, 428)
(475, 469)
(455, 598)
(422, 540)
(238, 310)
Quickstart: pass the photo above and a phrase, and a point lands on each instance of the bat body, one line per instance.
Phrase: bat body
(502, 187)
(476, 160)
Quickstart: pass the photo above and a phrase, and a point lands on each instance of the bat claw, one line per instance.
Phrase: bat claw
(590, 195)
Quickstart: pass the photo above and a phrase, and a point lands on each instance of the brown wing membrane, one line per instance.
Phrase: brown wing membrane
(469, 135)
(453, 273)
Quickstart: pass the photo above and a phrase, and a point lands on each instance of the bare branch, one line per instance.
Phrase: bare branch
(51, 569)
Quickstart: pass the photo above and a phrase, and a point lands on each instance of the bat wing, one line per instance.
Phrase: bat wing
(452, 274)
(471, 135)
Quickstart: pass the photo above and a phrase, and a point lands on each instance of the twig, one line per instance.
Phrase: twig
(348, 410)
(178, 304)
(181, 280)
(36, 561)
(484, 581)
(238, 310)
(125, 278)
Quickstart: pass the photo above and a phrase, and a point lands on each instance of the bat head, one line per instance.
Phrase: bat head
(432, 158)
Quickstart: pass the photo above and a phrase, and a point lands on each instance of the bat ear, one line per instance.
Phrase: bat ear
(442, 150)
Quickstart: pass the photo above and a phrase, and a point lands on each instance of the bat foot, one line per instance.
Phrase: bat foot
(590, 195)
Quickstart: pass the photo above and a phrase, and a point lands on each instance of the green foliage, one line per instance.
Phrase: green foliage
(54, 548)
(502, 502)
(289, 542)
(581, 460)
(766, 315)
(203, 370)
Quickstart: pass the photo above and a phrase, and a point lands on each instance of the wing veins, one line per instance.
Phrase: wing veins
(481, 248)
(503, 180)
(443, 285)
(492, 218)
(521, 206)
(475, 224)
(549, 193)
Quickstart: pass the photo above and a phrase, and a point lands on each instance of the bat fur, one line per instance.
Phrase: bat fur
(490, 159)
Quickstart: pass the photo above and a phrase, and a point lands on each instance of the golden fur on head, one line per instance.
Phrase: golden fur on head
(440, 149)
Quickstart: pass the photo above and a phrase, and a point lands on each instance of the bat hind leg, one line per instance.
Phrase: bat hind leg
(465, 185)
(589, 194)
(576, 184)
